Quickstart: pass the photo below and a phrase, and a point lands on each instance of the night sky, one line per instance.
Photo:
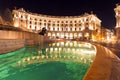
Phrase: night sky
(104, 9)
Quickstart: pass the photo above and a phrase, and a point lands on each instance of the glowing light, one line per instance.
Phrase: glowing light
(62, 43)
(56, 49)
(58, 34)
(80, 34)
(49, 34)
(53, 44)
(60, 49)
(71, 44)
(51, 49)
(53, 34)
(16, 24)
(87, 34)
(58, 44)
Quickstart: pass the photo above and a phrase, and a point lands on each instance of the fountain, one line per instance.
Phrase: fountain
(65, 53)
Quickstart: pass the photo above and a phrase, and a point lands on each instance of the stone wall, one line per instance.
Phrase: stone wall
(12, 40)
(10, 45)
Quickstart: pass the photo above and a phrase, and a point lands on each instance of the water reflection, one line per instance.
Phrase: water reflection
(60, 51)
(69, 51)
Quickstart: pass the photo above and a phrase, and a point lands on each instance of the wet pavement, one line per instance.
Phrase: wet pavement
(106, 65)
(115, 48)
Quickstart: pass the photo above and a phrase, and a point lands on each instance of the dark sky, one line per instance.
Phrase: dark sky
(104, 9)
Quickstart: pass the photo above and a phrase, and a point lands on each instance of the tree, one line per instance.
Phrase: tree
(8, 15)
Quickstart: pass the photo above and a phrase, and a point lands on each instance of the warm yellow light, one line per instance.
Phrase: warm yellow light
(87, 34)
(51, 49)
(58, 44)
(16, 24)
(53, 34)
(62, 43)
(80, 34)
(58, 34)
(56, 49)
(49, 34)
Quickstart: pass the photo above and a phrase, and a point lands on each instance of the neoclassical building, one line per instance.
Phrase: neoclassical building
(69, 27)
(117, 15)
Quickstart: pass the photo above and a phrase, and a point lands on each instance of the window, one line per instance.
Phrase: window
(57, 24)
(79, 24)
(58, 29)
(21, 16)
(48, 24)
(40, 23)
(80, 21)
(71, 29)
(44, 20)
(66, 29)
(35, 27)
(86, 19)
(49, 21)
(86, 23)
(57, 21)
(75, 21)
(44, 24)
(75, 24)
(35, 23)
(71, 24)
(35, 19)
(30, 26)
(26, 17)
(80, 29)
(40, 20)
(75, 29)
(53, 29)
(53, 24)
(62, 29)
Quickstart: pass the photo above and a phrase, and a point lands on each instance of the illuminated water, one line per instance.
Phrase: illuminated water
(55, 61)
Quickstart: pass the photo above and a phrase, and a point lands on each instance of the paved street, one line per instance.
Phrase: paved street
(115, 48)
(105, 66)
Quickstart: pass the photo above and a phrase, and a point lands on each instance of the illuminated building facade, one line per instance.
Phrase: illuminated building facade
(69, 27)
(117, 12)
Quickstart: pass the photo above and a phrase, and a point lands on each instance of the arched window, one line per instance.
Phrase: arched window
(53, 28)
(21, 16)
(87, 19)
(35, 27)
(58, 28)
(40, 20)
(35, 19)
(80, 29)
(70, 21)
(30, 26)
(75, 29)
(75, 21)
(44, 20)
(62, 29)
(71, 29)
(40, 23)
(35, 23)
(57, 21)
